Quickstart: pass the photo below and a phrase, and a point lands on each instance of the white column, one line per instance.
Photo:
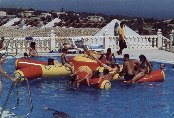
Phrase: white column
(159, 43)
(171, 38)
(106, 40)
(52, 37)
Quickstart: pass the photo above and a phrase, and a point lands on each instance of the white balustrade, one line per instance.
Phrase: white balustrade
(46, 44)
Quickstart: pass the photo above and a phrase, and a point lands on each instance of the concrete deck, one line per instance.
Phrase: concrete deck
(151, 54)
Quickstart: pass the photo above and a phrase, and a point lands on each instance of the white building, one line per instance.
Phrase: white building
(27, 13)
(3, 13)
(95, 18)
(45, 14)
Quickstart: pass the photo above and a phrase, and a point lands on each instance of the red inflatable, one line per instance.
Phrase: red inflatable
(23, 63)
(31, 72)
(154, 76)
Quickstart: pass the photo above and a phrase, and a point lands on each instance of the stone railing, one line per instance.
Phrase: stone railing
(20, 45)
(53, 43)
(171, 44)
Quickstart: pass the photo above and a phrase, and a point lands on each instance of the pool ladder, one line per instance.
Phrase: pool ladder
(17, 99)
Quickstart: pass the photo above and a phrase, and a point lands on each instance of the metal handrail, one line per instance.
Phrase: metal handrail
(17, 100)
(6, 100)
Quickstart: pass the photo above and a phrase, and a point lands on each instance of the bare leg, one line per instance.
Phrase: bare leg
(138, 76)
(120, 78)
(70, 67)
(87, 77)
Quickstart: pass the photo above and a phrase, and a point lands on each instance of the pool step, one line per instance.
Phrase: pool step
(7, 114)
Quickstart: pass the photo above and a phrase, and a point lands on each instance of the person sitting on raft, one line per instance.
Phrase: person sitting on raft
(106, 75)
(106, 58)
(65, 62)
(109, 71)
(145, 67)
(109, 56)
(113, 67)
(128, 71)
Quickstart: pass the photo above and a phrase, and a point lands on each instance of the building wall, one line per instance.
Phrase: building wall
(3, 13)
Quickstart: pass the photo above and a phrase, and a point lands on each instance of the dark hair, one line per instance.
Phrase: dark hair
(85, 48)
(64, 50)
(112, 65)
(101, 56)
(95, 74)
(122, 23)
(109, 50)
(25, 54)
(51, 61)
(32, 45)
(142, 57)
(105, 71)
(126, 56)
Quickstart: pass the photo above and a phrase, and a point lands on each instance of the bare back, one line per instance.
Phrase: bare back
(129, 67)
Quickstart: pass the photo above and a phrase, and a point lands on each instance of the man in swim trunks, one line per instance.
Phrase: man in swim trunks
(128, 68)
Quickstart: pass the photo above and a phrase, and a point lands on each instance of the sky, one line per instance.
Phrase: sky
(144, 8)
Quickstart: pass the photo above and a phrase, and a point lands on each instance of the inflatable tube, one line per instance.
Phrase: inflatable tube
(46, 71)
(154, 76)
(104, 84)
(55, 70)
(23, 63)
(31, 72)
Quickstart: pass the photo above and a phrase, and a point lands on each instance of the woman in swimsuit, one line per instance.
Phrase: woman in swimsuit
(145, 68)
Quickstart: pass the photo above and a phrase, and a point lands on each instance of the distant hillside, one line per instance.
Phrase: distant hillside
(142, 8)
(143, 26)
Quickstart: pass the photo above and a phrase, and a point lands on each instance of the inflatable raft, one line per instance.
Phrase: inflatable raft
(33, 69)
(83, 60)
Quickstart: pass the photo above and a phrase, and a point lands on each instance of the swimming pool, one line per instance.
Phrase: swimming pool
(146, 100)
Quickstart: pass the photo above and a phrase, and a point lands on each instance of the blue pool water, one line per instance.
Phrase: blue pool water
(146, 100)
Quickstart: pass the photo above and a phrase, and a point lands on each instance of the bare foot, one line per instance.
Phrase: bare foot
(128, 82)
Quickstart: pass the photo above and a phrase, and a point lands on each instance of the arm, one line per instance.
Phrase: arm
(149, 67)
(63, 59)
(124, 68)
(6, 75)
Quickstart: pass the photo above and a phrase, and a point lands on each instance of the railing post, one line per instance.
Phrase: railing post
(106, 40)
(53, 44)
(159, 43)
(171, 38)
